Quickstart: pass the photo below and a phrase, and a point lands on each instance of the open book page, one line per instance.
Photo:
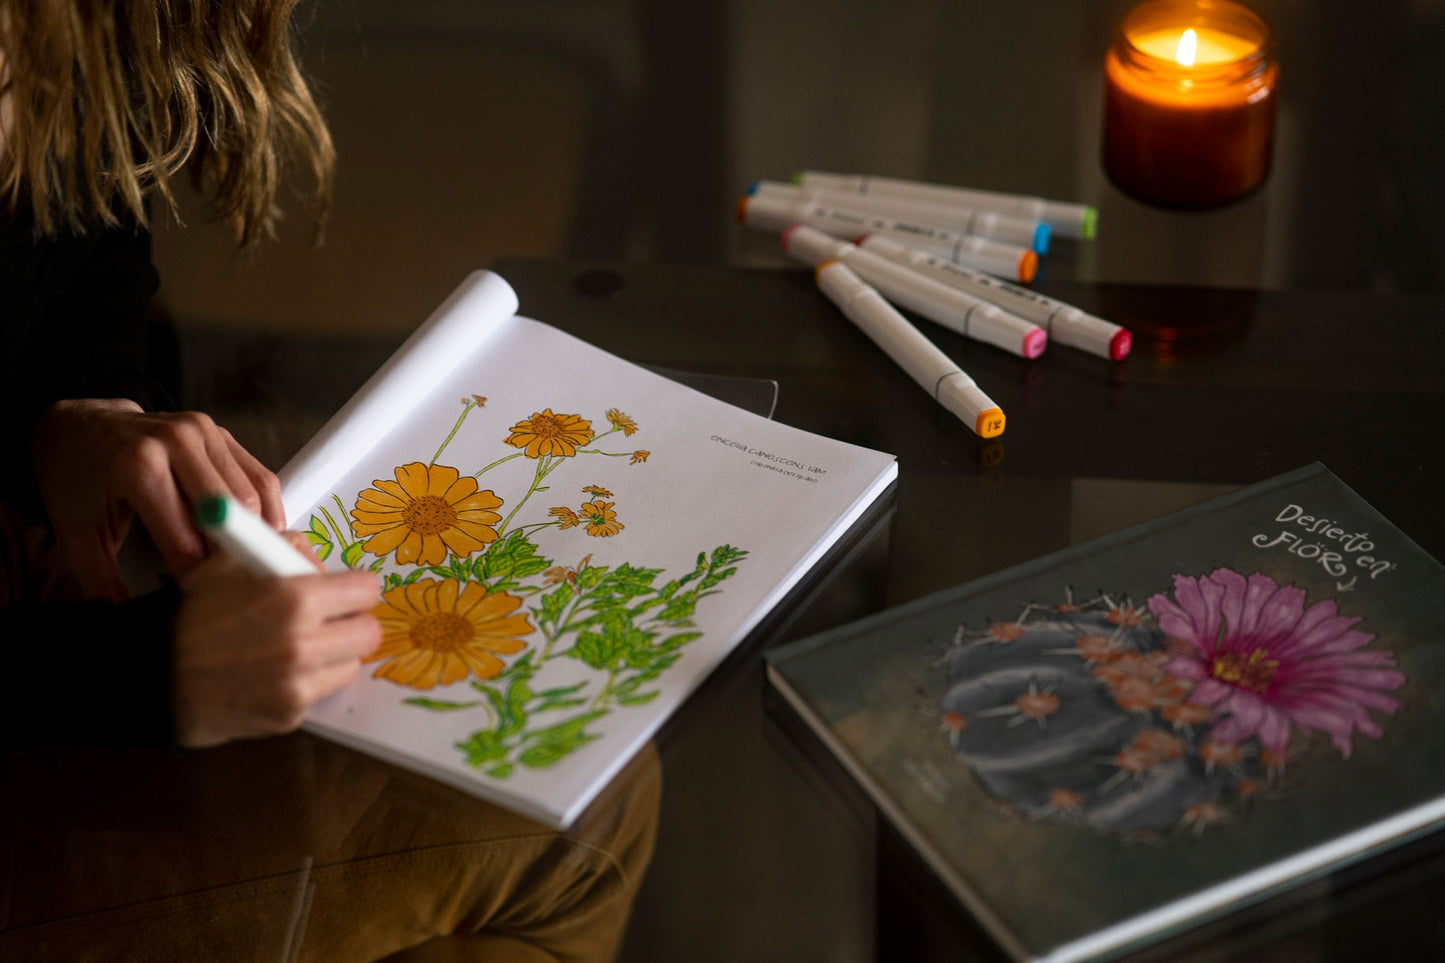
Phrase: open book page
(569, 543)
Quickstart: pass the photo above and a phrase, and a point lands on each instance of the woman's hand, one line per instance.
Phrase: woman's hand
(102, 462)
(252, 654)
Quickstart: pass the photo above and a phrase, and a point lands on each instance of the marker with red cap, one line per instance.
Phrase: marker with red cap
(773, 213)
(914, 353)
(1065, 323)
(956, 310)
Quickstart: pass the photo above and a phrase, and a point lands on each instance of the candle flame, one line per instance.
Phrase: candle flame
(1188, 43)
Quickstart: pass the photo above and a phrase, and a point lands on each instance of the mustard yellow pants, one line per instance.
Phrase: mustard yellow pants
(293, 848)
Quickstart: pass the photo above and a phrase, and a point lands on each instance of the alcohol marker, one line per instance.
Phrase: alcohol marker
(1064, 323)
(1066, 218)
(1023, 232)
(777, 214)
(244, 536)
(915, 354)
(956, 310)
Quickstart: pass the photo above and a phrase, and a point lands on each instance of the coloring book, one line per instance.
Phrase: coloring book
(1118, 741)
(568, 543)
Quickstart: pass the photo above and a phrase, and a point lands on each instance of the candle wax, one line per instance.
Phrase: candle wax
(1212, 46)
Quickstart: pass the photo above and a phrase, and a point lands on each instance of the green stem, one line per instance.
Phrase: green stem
(455, 428)
(542, 469)
(340, 538)
(341, 510)
(600, 700)
(515, 454)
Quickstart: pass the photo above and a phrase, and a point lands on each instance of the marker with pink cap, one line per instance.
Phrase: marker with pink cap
(1065, 323)
(956, 310)
(773, 213)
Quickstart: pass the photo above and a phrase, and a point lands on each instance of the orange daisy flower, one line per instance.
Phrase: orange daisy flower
(597, 490)
(566, 517)
(601, 520)
(427, 511)
(546, 433)
(439, 631)
(639, 456)
(619, 420)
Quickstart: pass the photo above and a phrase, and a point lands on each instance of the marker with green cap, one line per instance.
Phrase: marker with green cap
(245, 536)
(1064, 218)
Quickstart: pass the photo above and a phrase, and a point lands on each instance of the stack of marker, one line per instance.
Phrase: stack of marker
(940, 252)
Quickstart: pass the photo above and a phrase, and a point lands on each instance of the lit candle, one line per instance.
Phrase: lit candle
(1189, 102)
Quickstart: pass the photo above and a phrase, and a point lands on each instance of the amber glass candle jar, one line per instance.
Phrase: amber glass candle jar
(1189, 93)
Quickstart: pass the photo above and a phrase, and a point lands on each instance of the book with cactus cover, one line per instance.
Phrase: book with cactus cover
(568, 544)
(1116, 742)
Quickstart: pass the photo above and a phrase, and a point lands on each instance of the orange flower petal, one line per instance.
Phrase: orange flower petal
(414, 478)
(379, 501)
(439, 479)
(459, 490)
(393, 489)
(384, 541)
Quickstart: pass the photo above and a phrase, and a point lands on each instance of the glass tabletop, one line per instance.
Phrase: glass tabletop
(591, 151)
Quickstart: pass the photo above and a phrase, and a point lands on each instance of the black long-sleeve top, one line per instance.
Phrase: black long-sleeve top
(74, 312)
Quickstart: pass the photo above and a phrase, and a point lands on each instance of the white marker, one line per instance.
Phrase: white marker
(243, 535)
(915, 354)
(778, 214)
(1067, 219)
(1065, 323)
(1024, 232)
(956, 310)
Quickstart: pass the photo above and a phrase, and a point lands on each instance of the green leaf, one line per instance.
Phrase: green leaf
(680, 639)
(318, 527)
(481, 748)
(324, 552)
(374, 566)
(638, 700)
(593, 649)
(351, 554)
(501, 771)
(439, 705)
(680, 608)
(314, 539)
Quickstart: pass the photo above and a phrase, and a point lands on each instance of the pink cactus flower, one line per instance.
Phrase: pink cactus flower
(1267, 665)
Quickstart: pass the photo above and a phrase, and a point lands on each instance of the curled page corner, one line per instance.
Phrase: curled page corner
(475, 311)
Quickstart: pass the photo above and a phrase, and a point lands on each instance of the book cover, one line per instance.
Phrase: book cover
(1110, 744)
(568, 544)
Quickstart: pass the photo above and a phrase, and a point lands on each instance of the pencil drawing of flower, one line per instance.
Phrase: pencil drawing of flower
(439, 631)
(600, 519)
(546, 433)
(1267, 665)
(426, 512)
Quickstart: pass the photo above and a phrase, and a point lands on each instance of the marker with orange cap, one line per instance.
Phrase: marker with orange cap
(915, 354)
(773, 213)
(1065, 323)
(970, 316)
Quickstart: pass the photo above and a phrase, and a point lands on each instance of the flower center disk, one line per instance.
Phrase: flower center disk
(441, 632)
(1254, 672)
(429, 515)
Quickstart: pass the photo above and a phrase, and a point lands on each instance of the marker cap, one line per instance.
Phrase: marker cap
(967, 400)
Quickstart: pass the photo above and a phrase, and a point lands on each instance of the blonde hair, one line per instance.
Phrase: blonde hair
(105, 100)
